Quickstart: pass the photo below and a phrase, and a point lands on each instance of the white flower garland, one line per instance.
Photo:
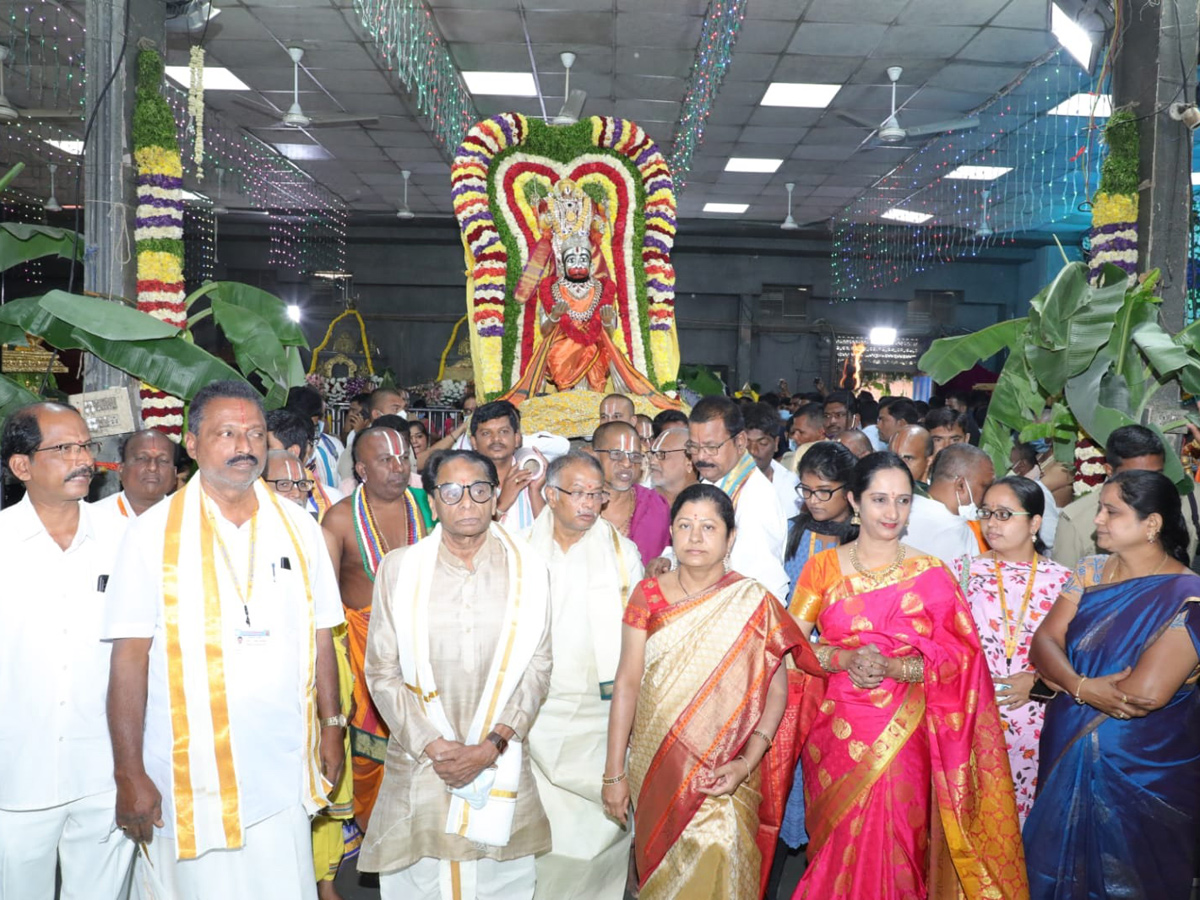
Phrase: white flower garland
(196, 107)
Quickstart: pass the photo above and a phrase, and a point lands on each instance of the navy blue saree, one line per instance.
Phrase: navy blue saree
(1117, 811)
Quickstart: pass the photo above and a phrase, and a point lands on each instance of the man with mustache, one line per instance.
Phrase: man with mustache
(57, 794)
(717, 446)
(220, 614)
(147, 473)
(382, 514)
(496, 434)
(458, 661)
(592, 571)
(636, 512)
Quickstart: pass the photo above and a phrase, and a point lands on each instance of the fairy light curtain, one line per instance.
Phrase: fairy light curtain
(1054, 169)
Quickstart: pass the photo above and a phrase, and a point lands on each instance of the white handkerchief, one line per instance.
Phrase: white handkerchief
(476, 793)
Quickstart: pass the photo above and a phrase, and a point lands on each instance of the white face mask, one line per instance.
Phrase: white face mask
(968, 510)
(792, 445)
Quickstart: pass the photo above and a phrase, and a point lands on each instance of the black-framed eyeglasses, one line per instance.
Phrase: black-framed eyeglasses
(70, 451)
(661, 455)
(694, 449)
(577, 496)
(283, 485)
(633, 457)
(821, 494)
(451, 493)
(1002, 515)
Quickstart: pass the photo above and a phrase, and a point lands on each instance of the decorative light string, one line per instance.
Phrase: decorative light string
(409, 43)
(1054, 163)
(719, 34)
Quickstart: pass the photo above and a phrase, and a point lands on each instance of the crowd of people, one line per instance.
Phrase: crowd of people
(656, 663)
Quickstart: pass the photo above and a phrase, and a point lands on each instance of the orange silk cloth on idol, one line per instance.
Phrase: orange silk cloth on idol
(869, 757)
(368, 732)
(577, 350)
(698, 726)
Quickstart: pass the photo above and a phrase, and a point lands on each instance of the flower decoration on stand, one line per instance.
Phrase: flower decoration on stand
(1089, 467)
(196, 107)
(339, 391)
(1115, 206)
(447, 393)
(158, 231)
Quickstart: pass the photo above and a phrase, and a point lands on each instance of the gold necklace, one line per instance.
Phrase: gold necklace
(876, 577)
(696, 593)
(1012, 627)
(1121, 565)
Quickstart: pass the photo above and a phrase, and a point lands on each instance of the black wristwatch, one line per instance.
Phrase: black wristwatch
(500, 743)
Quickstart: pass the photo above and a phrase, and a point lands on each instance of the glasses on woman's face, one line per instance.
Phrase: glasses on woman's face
(1000, 514)
(822, 494)
(451, 493)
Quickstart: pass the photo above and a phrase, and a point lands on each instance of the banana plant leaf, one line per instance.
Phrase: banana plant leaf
(947, 357)
(20, 242)
(105, 318)
(255, 346)
(173, 364)
(13, 396)
(266, 307)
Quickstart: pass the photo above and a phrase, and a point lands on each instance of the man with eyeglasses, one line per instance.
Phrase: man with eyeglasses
(763, 427)
(717, 446)
(57, 795)
(839, 414)
(593, 568)
(147, 473)
(289, 430)
(383, 513)
(635, 511)
(220, 615)
(287, 477)
(458, 661)
(671, 468)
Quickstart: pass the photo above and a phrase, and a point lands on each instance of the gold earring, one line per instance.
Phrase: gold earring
(854, 519)
(1152, 537)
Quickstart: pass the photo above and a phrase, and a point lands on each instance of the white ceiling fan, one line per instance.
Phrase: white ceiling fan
(404, 212)
(890, 131)
(984, 230)
(573, 100)
(789, 224)
(52, 204)
(10, 113)
(294, 117)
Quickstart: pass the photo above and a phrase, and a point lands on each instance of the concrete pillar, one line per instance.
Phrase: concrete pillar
(745, 338)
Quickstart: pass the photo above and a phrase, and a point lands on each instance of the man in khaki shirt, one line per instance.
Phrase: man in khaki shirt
(458, 663)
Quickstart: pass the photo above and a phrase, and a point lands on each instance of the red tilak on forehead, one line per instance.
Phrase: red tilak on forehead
(395, 445)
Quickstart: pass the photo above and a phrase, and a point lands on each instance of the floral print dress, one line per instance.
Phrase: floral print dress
(1023, 725)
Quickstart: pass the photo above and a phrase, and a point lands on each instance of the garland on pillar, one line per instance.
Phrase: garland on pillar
(158, 231)
(1115, 206)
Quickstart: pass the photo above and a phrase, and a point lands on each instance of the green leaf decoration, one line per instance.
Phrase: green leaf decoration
(8, 177)
(255, 346)
(947, 357)
(13, 397)
(269, 310)
(105, 319)
(21, 242)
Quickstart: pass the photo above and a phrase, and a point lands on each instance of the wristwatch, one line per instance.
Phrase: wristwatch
(338, 721)
(500, 743)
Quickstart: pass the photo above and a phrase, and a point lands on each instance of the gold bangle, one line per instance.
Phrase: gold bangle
(827, 657)
(744, 763)
(1078, 688)
(770, 741)
(615, 780)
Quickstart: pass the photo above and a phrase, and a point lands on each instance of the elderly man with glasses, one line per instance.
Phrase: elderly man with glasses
(458, 662)
(717, 445)
(593, 569)
(636, 512)
(58, 795)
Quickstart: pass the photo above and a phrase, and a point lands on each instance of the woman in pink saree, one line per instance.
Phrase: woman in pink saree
(906, 775)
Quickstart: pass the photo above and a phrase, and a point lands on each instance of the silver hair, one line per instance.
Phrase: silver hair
(556, 466)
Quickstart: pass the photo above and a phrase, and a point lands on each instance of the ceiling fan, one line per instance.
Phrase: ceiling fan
(890, 131)
(295, 117)
(404, 212)
(10, 113)
(573, 100)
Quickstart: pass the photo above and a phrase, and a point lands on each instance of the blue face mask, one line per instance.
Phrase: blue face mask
(792, 445)
(1041, 445)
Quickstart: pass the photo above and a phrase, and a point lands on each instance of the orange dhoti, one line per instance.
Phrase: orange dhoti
(368, 732)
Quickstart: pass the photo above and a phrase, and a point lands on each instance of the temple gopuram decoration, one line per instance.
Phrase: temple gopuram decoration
(567, 233)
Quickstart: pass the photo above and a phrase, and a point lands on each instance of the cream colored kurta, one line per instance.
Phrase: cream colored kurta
(465, 622)
(589, 586)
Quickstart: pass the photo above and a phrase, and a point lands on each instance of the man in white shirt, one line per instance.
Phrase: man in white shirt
(147, 473)
(57, 793)
(496, 434)
(288, 430)
(938, 524)
(220, 611)
(593, 569)
(308, 402)
(763, 427)
(717, 446)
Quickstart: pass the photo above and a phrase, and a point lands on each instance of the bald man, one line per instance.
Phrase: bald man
(636, 512)
(914, 445)
(856, 442)
(147, 473)
(616, 408)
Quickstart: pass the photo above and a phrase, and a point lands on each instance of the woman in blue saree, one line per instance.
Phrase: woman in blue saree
(1119, 775)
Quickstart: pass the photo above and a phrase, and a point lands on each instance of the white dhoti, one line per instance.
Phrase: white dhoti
(80, 836)
(274, 861)
(440, 879)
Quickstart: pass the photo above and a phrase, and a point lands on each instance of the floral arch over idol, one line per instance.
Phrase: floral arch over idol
(567, 232)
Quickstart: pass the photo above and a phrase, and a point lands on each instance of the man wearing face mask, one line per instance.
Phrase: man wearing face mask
(938, 524)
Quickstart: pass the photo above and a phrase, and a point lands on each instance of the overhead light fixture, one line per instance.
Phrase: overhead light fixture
(979, 173)
(1079, 26)
(194, 197)
(882, 336)
(905, 215)
(790, 93)
(75, 148)
(303, 151)
(753, 164)
(216, 78)
(500, 84)
(293, 312)
(734, 208)
(1097, 106)
(332, 275)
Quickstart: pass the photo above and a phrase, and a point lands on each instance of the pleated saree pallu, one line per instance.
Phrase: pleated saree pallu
(709, 664)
